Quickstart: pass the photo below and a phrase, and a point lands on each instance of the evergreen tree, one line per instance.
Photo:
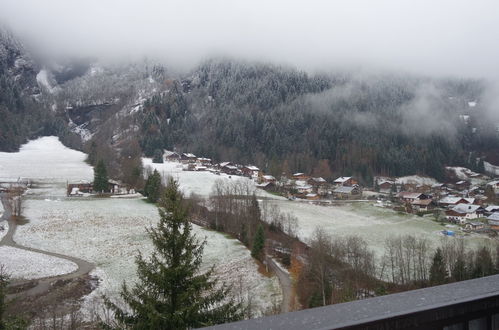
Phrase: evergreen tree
(481, 166)
(483, 263)
(171, 292)
(438, 273)
(152, 188)
(459, 270)
(158, 156)
(100, 177)
(258, 244)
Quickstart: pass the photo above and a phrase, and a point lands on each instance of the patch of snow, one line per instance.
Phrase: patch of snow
(416, 179)
(22, 264)
(472, 104)
(45, 158)
(489, 168)
(43, 81)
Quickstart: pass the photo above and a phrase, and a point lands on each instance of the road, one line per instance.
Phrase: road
(43, 284)
(285, 282)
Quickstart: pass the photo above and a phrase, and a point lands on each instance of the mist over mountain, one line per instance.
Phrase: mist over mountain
(285, 95)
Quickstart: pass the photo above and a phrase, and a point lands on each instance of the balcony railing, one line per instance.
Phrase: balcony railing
(472, 304)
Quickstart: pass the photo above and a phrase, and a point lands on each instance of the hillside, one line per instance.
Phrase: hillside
(279, 118)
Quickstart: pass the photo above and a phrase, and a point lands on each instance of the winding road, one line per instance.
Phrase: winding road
(285, 282)
(43, 285)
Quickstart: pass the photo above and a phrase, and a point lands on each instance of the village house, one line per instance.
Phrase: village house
(320, 185)
(188, 158)
(493, 221)
(203, 161)
(491, 209)
(79, 188)
(229, 169)
(345, 181)
(268, 186)
(268, 178)
(475, 225)
(118, 188)
(251, 171)
(312, 196)
(409, 197)
(462, 212)
(345, 192)
(171, 156)
(422, 205)
(300, 177)
(385, 186)
(495, 185)
(450, 201)
(461, 185)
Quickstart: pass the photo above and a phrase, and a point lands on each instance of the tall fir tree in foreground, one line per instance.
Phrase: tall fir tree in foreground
(171, 292)
(100, 177)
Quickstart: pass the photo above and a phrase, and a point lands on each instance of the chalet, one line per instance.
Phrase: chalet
(475, 225)
(300, 176)
(251, 171)
(344, 192)
(319, 185)
(385, 186)
(495, 185)
(493, 221)
(491, 209)
(79, 188)
(171, 156)
(450, 201)
(409, 197)
(203, 161)
(222, 165)
(312, 196)
(230, 170)
(268, 178)
(118, 188)
(462, 212)
(303, 188)
(345, 181)
(269, 186)
(462, 185)
(423, 204)
(188, 158)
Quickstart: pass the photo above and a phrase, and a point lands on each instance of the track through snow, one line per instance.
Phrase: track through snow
(44, 284)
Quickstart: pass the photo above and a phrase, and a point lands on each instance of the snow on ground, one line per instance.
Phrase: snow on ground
(111, 232)
(1, 209)
(199, 182)
(374, 224)
(45, 158)
(416, 179)
(22, 264)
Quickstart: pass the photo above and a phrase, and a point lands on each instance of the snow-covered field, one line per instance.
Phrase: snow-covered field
(108, 232)
(45, 158)
(416, 179)
(374, 224)
(22, 264)
(201, 183)
(111, 232)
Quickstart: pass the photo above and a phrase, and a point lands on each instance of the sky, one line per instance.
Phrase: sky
(452, 38)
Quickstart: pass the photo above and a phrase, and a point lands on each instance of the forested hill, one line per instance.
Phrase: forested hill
(285, 120)
(22, 114)
(278, 118)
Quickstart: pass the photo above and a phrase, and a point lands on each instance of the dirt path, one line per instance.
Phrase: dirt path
(285, 282)
(43, 284)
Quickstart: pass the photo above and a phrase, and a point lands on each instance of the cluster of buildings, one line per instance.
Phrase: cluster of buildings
(298, 185)
(461, 201)
(82, 188)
